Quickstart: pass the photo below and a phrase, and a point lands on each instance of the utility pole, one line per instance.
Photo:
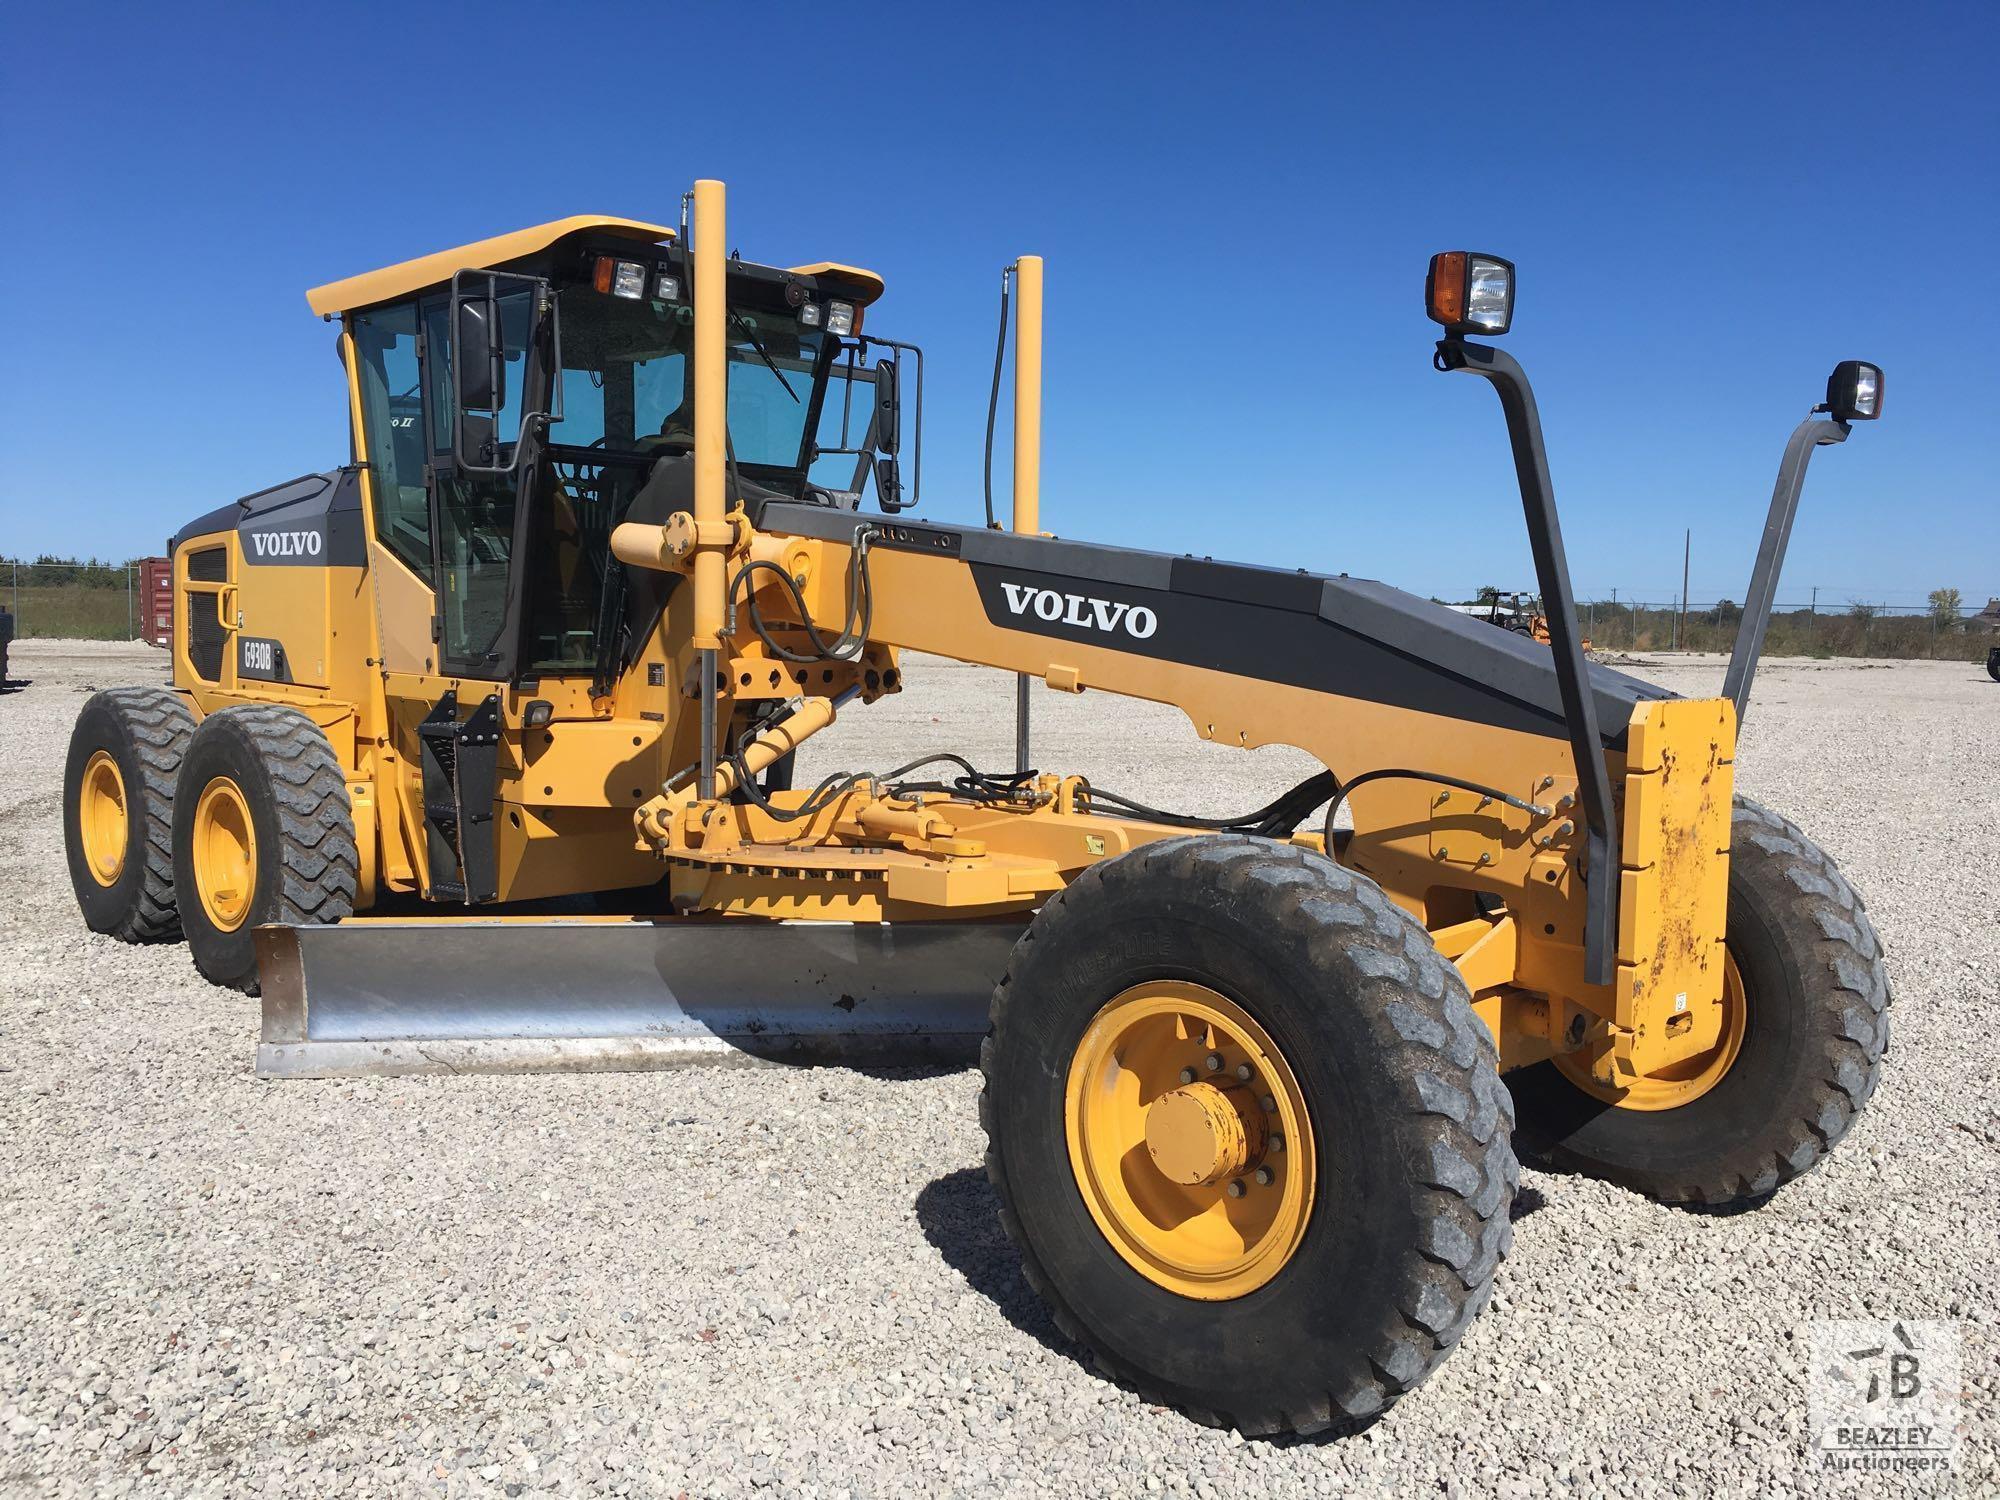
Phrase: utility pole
(1812, 616)
(1687, 551)
(1614, 607)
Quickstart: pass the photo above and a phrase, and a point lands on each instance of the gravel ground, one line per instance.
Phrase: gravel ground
(713, 1281)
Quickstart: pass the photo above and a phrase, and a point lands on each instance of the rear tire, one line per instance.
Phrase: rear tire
(1816, 1027)
(263, 833)
(1413, 1170)
(118, 810)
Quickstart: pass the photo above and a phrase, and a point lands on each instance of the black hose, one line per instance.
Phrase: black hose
(993, 401)
(1395, 773)
(840, 782)
(1275, 819)
(854, 629)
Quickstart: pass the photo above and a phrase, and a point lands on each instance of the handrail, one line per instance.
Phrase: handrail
(1808, 435)
(1538, 504)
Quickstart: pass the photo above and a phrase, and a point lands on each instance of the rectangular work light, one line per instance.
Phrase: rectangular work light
(621, 278)
(1854, 391)
(1470, 293)
(840, 317)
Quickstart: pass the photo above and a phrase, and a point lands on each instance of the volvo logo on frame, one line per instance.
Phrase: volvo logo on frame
(1107, 616)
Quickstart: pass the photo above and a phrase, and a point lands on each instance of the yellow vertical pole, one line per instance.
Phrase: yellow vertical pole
(1028, 394)
(711, 412)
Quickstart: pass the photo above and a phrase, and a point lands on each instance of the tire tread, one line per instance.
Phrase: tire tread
(160, 724)
(1453, 1100)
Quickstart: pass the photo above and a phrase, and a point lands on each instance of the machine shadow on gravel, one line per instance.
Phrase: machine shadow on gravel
(959, 1214)
(1547, 1114)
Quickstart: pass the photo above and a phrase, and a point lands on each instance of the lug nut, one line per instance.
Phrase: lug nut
(1243, 1072)
(1277, 1143)
(1264, 1176)
(1187, 1075)
(1270, 1105)
(1212, 1062)
(1236, 1188)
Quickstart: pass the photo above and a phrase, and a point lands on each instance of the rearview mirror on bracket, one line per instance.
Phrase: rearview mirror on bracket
(482, 305)
(888, 407)
(889, 483)
(479, 366)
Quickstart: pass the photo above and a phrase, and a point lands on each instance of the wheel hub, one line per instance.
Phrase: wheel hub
(1682, 1082)
(101, 820)
(1198, 1135)
(1189, 1138)
(225, 853)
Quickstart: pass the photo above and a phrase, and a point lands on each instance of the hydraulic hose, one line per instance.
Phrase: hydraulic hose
(854, 629)
(1398, 774)
(993, 401)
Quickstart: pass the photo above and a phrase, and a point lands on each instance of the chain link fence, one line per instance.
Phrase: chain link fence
(107, 602)
(1856, 627)
(90, 601)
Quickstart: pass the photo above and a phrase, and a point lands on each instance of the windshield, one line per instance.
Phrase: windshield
(625, 383)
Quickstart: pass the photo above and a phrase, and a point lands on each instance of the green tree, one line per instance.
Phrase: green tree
(1944, 607)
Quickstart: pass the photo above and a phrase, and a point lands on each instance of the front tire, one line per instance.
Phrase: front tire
(118, 810)
(1814, 1027)
(1356, 1035)
(263, 832)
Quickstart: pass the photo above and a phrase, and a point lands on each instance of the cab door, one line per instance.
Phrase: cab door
(474, 512)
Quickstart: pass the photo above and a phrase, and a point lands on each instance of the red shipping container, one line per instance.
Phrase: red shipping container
(156, 600)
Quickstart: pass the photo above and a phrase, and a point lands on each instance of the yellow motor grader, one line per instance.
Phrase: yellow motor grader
(600, 565)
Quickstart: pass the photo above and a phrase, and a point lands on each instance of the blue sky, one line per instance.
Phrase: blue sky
(1710, 205)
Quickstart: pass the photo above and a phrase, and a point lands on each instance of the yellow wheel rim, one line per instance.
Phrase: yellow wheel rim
(1684, 1081)
(1190, 1141)
(101, 819)
(225, 853)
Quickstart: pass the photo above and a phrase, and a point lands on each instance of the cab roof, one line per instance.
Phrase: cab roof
(412, 276)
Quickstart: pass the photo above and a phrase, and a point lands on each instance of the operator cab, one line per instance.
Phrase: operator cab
(499, 484)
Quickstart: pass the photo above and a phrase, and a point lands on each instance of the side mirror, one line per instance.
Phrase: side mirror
(479, 366)
(483, 306)
(889, 482)
(888, 407)
(473, 441)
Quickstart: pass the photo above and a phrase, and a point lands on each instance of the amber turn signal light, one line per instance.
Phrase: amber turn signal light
(1470, 293)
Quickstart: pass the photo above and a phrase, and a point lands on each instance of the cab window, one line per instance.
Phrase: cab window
(392, 418)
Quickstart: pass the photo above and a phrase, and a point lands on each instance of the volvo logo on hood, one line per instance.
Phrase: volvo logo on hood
(272, 545)
(1081, 611)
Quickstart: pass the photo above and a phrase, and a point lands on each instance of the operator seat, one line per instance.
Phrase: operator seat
(670, 488)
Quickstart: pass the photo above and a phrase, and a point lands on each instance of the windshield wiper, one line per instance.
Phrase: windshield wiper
(757, 345)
